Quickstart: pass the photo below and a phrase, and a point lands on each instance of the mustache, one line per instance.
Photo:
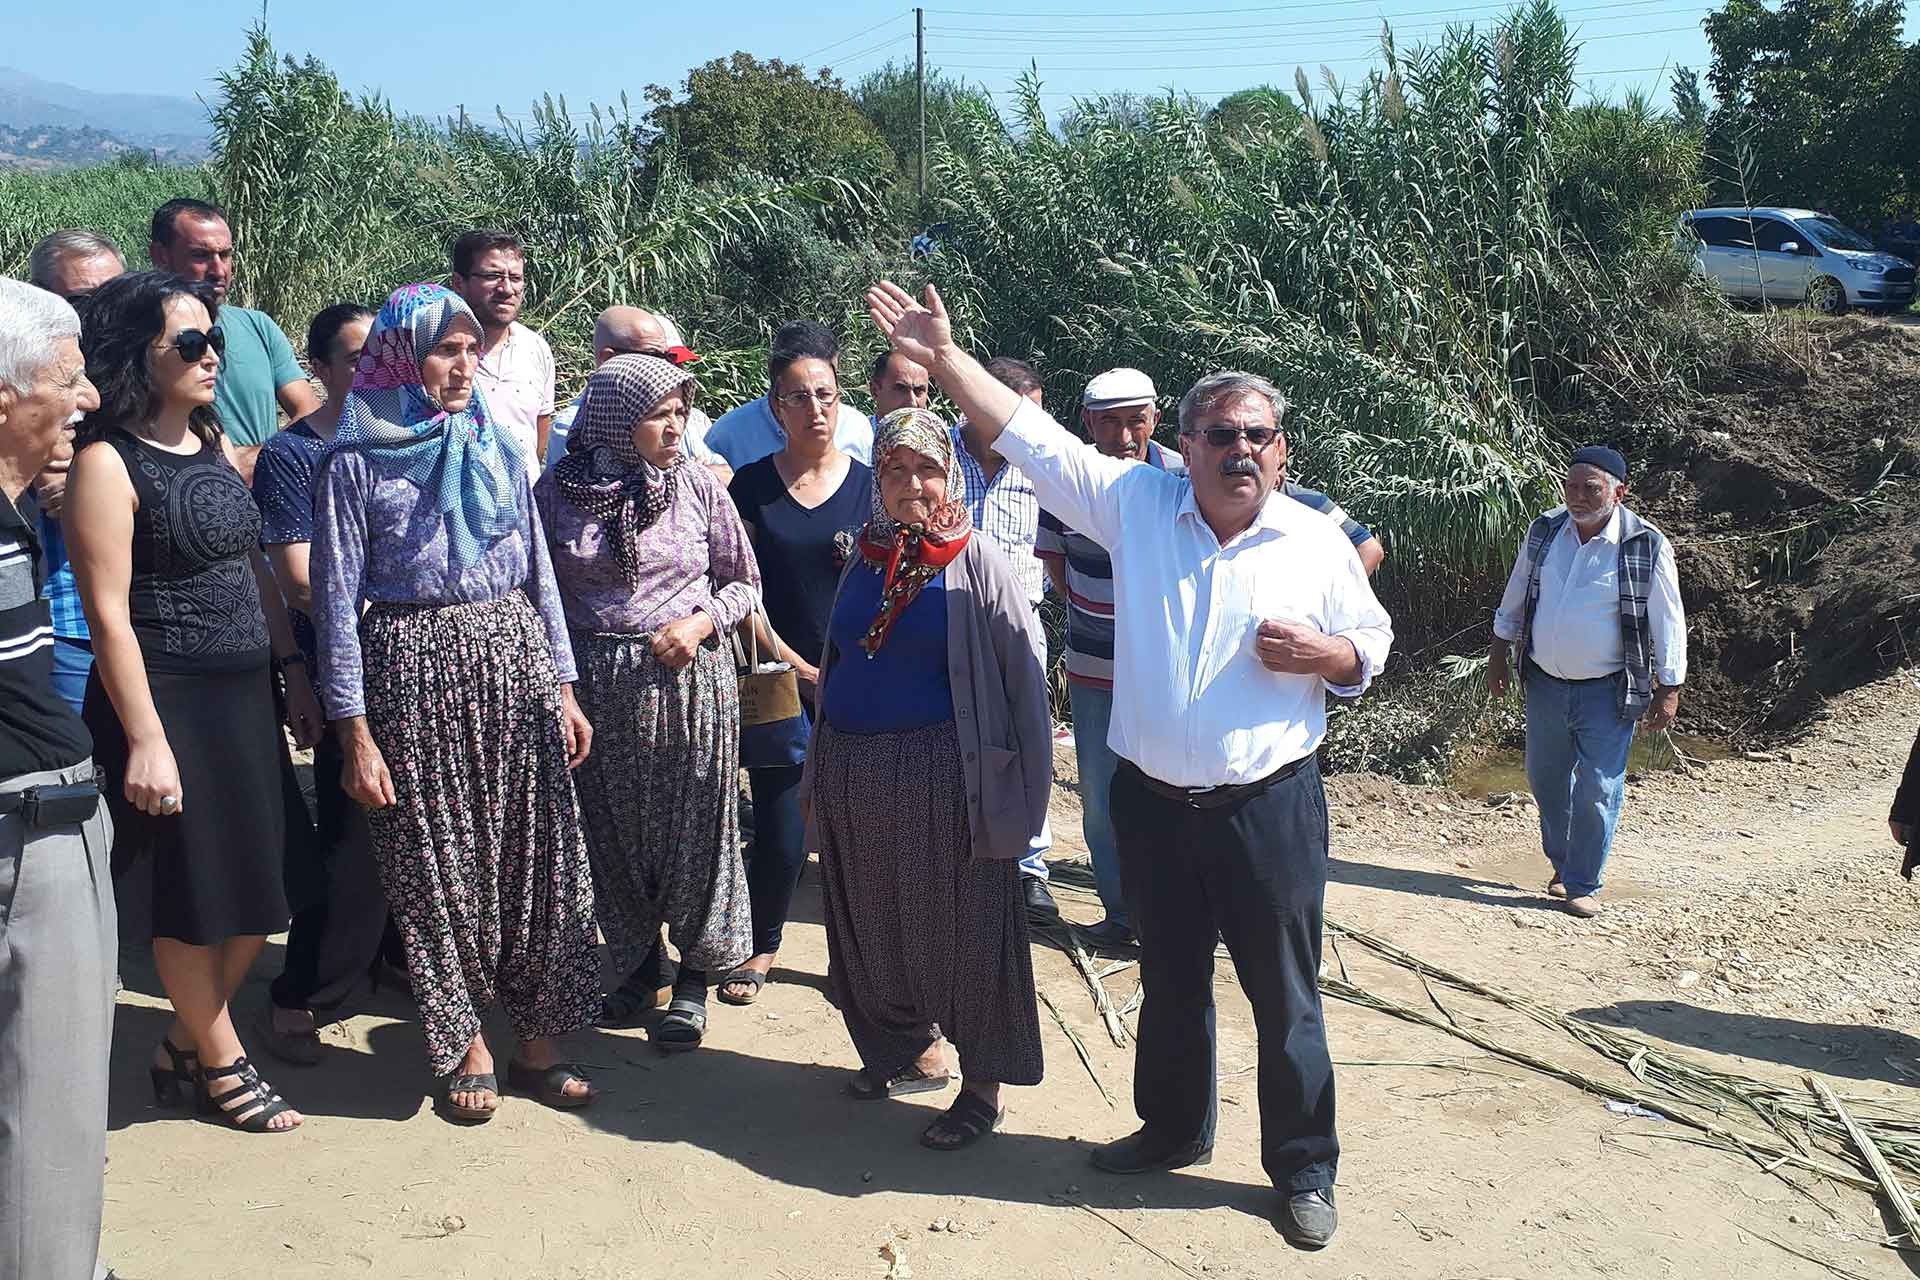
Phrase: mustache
(1239, 467)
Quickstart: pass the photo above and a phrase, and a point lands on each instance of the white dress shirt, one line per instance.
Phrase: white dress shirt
(1192, 704)
(517, 378)
(1576, 625)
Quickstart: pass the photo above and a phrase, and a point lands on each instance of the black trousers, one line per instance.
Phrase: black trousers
(336, 936)
(1254, 875)
(776, 851)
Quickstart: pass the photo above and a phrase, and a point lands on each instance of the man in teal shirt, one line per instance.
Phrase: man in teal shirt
(259, 375)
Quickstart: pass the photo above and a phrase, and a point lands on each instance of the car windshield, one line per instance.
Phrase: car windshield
(1836, 235)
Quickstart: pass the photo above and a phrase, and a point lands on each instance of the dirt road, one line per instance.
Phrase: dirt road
(1754, 912)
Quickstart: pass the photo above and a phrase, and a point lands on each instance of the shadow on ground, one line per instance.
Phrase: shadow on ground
(1846, 1050)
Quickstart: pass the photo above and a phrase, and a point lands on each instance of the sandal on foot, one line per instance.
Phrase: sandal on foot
(296, 1048)
(752, 979)
(549, 1084)
(481, 1082)
(174, 1086)
(865, 1087)
(683, 1027)
(622, 1010)
(969, 1119)
(255, 1104)
(1555, 889)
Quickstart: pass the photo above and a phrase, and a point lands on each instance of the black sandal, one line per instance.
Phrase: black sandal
(174, 1086)
(460, 1113)
(912, 1080)
(750, 978)
(969, 1119)
(549, 1084)
(252, 1091)
(684, 1026)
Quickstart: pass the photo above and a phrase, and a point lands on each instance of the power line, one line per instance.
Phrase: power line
(855, 36)
(1089, 96)
(1250, 43)
(884, 44)
(1133, 31)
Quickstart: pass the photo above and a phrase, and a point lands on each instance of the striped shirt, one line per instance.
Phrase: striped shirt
(1007, 511)
(1356, 532)
(38, 732)
(61, 591)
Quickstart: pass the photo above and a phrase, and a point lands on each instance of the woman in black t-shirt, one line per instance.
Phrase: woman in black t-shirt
(802, 507)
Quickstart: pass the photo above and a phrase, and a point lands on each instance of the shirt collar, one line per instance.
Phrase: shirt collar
(1271, 518)
(1609, 532)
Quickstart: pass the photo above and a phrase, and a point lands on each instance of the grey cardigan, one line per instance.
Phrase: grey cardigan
(1000, 709)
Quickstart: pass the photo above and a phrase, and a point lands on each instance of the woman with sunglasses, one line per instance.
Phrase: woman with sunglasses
(188, 630)
(451, 694)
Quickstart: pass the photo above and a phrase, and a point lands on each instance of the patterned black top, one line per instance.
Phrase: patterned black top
(193, 601)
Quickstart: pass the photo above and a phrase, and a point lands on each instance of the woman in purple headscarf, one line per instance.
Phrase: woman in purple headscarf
(452, 699)
(655, 570)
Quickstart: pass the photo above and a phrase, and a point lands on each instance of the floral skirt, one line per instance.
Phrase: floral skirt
(660, 796)
(481, 854)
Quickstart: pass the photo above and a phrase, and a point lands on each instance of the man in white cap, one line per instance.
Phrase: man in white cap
(1119, 410)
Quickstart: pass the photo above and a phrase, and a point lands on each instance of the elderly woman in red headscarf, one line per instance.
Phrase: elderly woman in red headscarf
(929, 771)
(655, 570)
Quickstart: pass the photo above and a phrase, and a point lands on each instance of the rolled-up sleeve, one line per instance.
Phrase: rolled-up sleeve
(338, 571)
(1512, 613)
(1075, 481)
(1667, 620)
(544, 591)
(1355, 614)
(730, 560)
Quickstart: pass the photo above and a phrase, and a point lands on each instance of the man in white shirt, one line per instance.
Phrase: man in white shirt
(516, 364)
(751, 432)
(1592, 610)
(630, 331)
(1235, 612)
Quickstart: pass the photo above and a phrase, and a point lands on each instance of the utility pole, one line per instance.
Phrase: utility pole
(920, 63)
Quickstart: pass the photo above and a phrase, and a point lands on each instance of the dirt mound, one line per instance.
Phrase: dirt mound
(1791, 499)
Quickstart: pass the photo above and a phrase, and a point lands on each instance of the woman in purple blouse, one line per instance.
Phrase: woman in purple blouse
(452, 700)
(654, 570)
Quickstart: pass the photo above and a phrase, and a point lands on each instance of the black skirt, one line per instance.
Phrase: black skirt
(213, 870)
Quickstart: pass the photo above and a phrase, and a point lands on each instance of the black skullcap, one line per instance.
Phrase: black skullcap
(1608, 460)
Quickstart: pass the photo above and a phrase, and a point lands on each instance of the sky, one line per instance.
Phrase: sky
(506, 53)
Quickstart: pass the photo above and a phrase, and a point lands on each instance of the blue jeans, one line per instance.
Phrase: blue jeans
(1577, 769)
(1092, 713)
(72, 661)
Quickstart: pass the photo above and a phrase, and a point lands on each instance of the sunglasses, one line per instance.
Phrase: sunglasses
(1223, 437)
(192, 344)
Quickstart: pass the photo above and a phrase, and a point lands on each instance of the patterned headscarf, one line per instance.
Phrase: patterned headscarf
(910, 556)
(466, 464)
(603, 474)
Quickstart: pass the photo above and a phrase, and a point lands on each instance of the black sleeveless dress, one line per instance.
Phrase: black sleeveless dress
(215, 867)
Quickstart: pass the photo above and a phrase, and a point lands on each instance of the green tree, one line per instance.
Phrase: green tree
(771, 118)
(1263, 109)
(889, 99)
(1820, 92)
(1689, 107)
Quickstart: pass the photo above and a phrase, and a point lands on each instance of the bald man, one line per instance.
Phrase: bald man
(627, 331)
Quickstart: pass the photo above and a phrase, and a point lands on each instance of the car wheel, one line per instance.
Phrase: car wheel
(1827, 296)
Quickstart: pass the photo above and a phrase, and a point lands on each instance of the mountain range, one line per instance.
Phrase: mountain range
(45, 124)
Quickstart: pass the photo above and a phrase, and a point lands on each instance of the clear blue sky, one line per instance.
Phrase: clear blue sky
(508, 53)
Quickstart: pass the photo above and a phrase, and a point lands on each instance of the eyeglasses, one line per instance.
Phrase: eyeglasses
(498, 277)
(1223, 437)
(801, 399)
(192, 344)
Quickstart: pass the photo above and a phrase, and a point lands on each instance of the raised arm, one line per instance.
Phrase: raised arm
(924, 335)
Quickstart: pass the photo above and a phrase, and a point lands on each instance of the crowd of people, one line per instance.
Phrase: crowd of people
(515, 637)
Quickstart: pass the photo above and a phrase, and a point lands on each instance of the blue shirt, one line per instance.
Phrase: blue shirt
(283, 490)
(905, 685)
(62, 593)
(749, 433)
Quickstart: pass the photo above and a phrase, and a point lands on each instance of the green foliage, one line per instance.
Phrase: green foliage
(117, 200)
(889, 99)
(1264, 111)
(769, 118)
(1623, 171)
(1825, 94)
(1689, 107)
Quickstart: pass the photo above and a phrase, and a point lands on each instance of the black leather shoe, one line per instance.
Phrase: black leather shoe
(1308, 1218)
(1041, 908)
(1141, 1152)
(1109, 934)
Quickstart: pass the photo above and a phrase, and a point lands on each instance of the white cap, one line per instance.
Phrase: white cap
(1117, 387)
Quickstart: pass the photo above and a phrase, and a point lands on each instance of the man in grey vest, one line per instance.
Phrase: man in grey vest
(1592, 617)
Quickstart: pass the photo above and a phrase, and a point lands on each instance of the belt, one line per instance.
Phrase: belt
(1222, 796)
(1534, 668)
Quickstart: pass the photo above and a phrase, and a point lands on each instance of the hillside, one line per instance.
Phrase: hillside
(48, 125)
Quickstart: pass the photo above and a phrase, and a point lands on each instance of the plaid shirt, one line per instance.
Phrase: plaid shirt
(1007, 510)
(63, 595)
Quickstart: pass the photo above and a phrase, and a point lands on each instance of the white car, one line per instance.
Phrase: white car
(1794, 255)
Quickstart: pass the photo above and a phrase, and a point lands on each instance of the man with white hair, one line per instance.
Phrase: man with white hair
(1236, 611)
(71, 263)
(1592, 615)
(57, 939)
(633, 331)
